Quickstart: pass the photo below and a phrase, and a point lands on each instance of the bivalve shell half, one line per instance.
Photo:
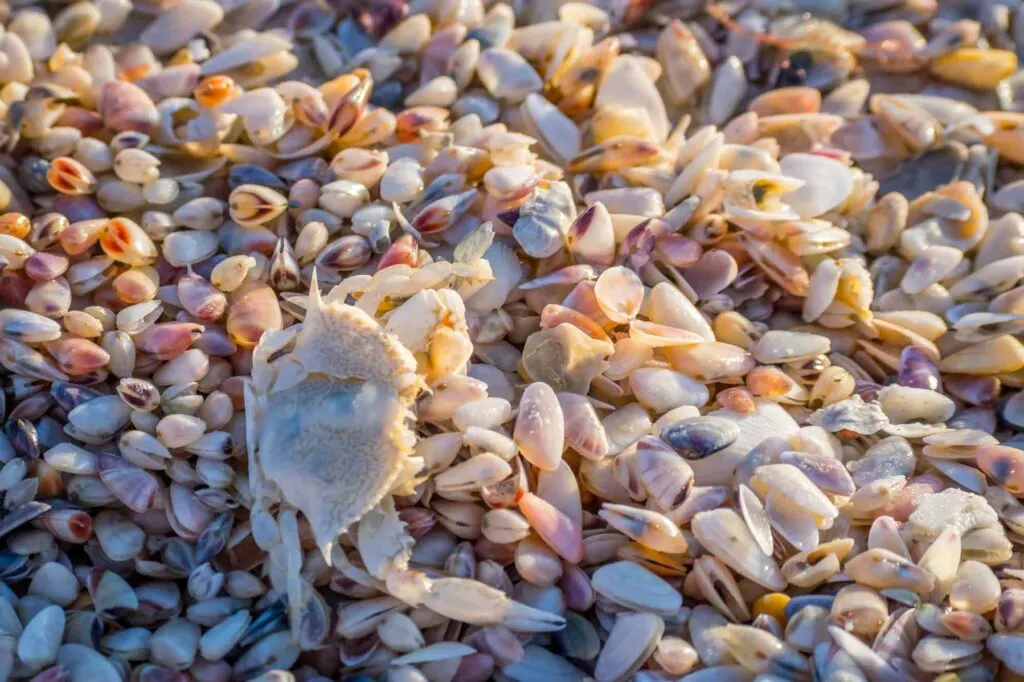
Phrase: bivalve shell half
(724, 533)
(632, 640)
(827, 183)
(634, 587)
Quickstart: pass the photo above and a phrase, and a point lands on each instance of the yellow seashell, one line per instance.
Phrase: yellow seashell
(975, 68)
(774, 604)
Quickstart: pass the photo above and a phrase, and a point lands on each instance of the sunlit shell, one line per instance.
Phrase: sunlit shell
(759, 195)
(619, 293)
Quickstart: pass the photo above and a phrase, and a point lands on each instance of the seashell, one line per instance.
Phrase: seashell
(759, 195)
(827, 183)
(222, 637)
(188, 247)
(137, 489)
(40, 640)
(756, 519)
(175, 644)
(636, 588)
(506, 75)
(71, 459)
(560, 532)
(28, 327)
(762, 651)
(625, 85)
(172, 29)
(583, 430)
(85, 663)
(131, 643)
(783, 347)
(723, 533)
(700, 437)
(551, 127)
(119, 538)
(631, 641)
(564, 358)
(667, 478)
(101, 417)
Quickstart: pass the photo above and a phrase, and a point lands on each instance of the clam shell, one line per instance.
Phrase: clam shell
(724, 533)
(633, 586)
(632, 640)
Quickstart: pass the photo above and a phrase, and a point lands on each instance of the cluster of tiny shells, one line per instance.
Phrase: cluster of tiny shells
(524, 340)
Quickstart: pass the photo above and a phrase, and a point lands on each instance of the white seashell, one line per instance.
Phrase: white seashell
(180, 23)
(246, 51)
(113, 593)
(785, 480)
(903, 404)
(189, 247)
(222, 637)
(56, 583)
(930, 266)
(827, 183)
(36, 31)
(409, 35)
(632, 640)
(119, 538)
(556, 131)
(636, 588)
(71, 459)
(179, 430)
(779, 347)
(439, 92)
(400, 633)
(485, 413)
(131, 643)
(41, 638)
(101, 417)
(540, 427)
(87, 665)
(728, 87)
(724, 533)
(822, 289)
(625, 86)
(759, 195)
(264, 114)
(506, 271)
(754, 516)
(792, 523)
(506, 75)
(17, 67)
(668, 305)
(175, 644)
(661, 390)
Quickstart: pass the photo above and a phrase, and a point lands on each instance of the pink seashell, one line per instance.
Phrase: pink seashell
(168, 340)
(540, 428)
(126, 106)
(77, 356)
(186, 514)
(584, 432)
(560, 532)
(136, 488)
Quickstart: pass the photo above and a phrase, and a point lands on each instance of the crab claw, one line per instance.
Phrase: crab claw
(470, 601)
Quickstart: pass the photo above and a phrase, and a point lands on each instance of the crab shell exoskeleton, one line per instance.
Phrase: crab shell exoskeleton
(328, 416)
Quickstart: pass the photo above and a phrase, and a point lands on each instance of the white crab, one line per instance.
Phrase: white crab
(329, 433)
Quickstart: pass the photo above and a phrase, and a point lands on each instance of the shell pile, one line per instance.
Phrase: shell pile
(535, 341)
